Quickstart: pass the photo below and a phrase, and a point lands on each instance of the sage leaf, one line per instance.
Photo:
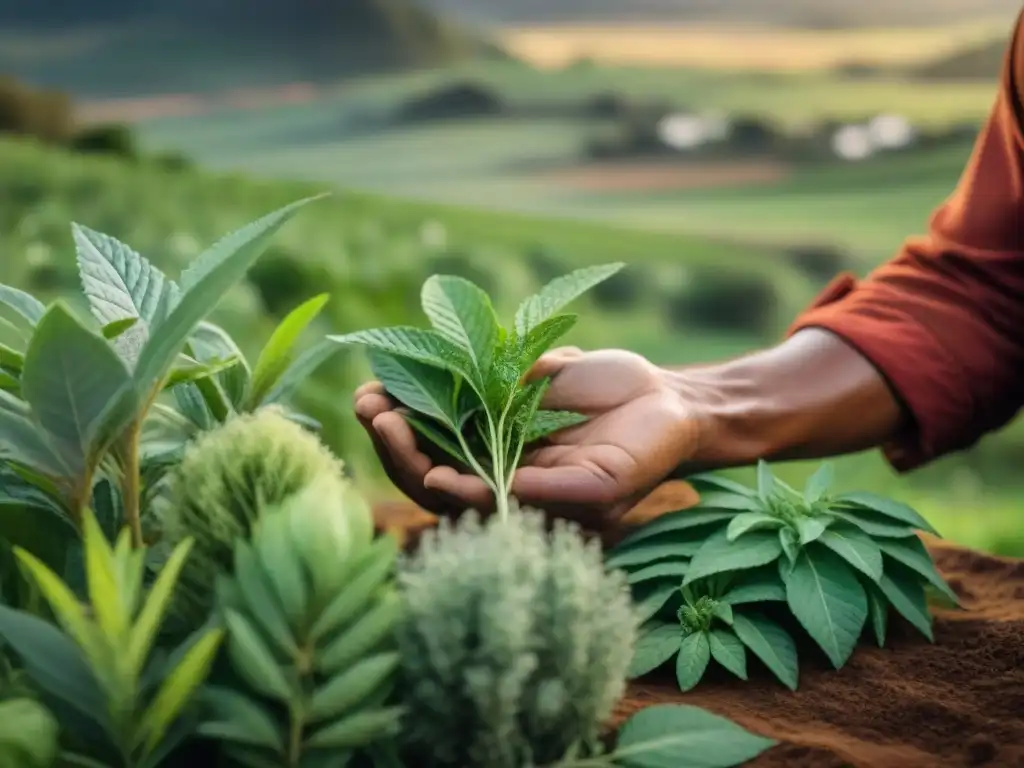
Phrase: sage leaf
(913, 554)
(118, 282)
(652, 551)
(751, 521)
(856, 548)
(656, 645)
(674, 735)
(810, 529)
(203, 285)
(757, 585)
(828, 601)
(558, 294)
(719, 555)
(462, 313)
(878, 611)
(277, 354)
(71, 378)
(819, 483)
(423, 388)
(692, 661)
(905, 593)
(668, 568)
(685, 520)
(728, 651)
(873, 524)
(790, 543)
(723, 611)
(25, 304)
(771, 644)
(765, 480)
(892, 509)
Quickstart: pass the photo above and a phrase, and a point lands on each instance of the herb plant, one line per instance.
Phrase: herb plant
(836, 562)
(462, 380)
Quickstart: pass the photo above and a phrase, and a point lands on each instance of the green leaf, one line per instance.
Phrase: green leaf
(30, 737)
(425, 388)
(819, 483)
(358, 730)
(677, 735)
(650, 597)
(178, 688)
(751, 521)
(545, 423)
(892, 509)
(828, 601)
(192, 371)
(253, 661)
(204, 284)
(115, 328)
(771, 644)
(305, 365)
(656, 645)
(913, 554)
(673, 568)
(765, 480)
(692, 661)
(904, 591)
(558, 294)
(118, 282)
(345, 692)
(278, 352)
(878, 612)
(674, 522)
(71, 377)
(790, 543)
(69, 611)
(542, 338)
(21, 441)
(728, 651)
(251, 723)
(154, 609)
(11, 359)
(731, 501)
(434, 432)
(102, 579)
(873, 524)
(370, 574)
(723, 611)
(262, 602)
(26, 305)
(362, 635)
(719, 555)
(758, 585)
(210, 343)
(428, 347)
(462, 313)
(856, 548)
(706, 482)
(652, 551)
(811, 528)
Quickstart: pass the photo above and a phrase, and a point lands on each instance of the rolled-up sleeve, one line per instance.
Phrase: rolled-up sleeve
(943, 321)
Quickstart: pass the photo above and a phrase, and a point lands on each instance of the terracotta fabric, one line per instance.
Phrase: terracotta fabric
(943, 321)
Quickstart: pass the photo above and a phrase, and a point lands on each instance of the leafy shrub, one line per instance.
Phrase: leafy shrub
(705, 576)
(821, 262)
(42, 114)
(113, 139)
(730, 301)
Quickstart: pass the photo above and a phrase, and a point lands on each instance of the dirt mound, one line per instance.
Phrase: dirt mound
(959, 702)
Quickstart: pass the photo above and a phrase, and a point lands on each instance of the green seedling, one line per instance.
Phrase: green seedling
(462, 380)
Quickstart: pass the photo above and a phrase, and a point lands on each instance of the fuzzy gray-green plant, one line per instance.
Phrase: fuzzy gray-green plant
(514, 643)
(226, 478)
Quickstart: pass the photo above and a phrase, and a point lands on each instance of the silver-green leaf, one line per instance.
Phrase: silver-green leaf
(719, 555)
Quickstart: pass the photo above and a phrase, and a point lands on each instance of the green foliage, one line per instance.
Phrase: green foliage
(310, 611)
(715, 300)
(463, 379)
(226, 478)
(113, 139)
(41, 114)
(121, 700)
(28, 734)
(710, 579)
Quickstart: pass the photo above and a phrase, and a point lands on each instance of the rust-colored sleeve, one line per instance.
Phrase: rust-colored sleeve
(943, 321)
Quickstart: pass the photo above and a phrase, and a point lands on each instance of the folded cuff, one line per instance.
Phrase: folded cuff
(919, 370)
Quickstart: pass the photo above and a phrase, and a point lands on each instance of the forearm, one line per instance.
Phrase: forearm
(810, 397)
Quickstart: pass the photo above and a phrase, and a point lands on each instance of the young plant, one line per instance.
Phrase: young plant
(75, 402)
(463, 379)
(120, 699)
(837, 560)
(310, 612)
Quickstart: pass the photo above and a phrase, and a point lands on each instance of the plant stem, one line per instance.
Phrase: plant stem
(131, 484)
(295, 738)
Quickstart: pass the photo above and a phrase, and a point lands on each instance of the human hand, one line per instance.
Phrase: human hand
(640, 429)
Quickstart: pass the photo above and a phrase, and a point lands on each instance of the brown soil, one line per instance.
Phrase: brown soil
(959, 702)
(671, 176)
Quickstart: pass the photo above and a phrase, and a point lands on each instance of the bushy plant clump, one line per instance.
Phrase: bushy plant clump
(706, 578)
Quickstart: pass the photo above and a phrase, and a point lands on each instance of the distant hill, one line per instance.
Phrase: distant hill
(978, 62)
(134, 47)
(815, 13)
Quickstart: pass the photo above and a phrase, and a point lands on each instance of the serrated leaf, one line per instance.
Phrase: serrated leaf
(692, 661)
(203, 285)
(878, 612)
(71, 378)
(427, 347)
(178, 688)
(462, 313)
(765, 480)
(810, 529)
(676, 735)
(558, 294)
(828, 601)
(892, 509)
(278, 352)
(873, 524)
(675, 523)
(749, 522)
(904, 591)
(656, 645)
(118, 282)
(542, 338)
(652, 551)
(546, 423)
(728, 651)
(25, 304)
(913, 554)
(819, 483)
(719, 555)
(771, 644)
(856, 548)
(666, 569)
(425, 388)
